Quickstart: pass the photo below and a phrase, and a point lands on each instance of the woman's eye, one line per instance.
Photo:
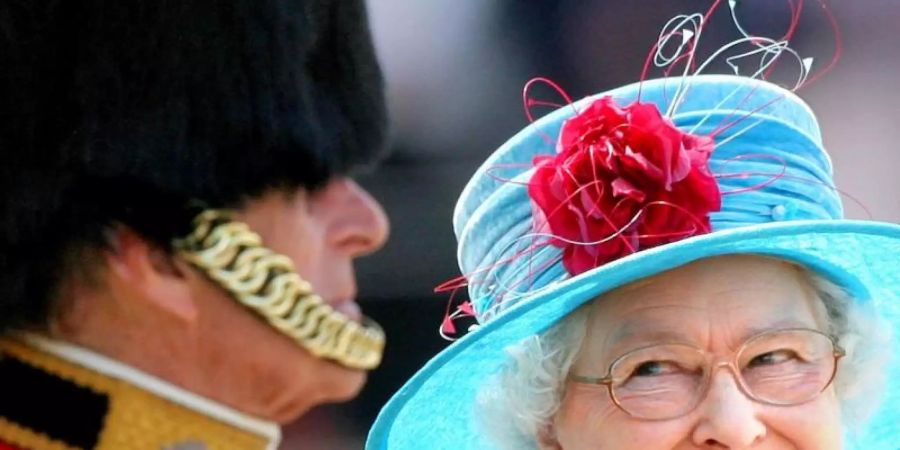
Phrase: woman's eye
(654, 368)
(772, 358)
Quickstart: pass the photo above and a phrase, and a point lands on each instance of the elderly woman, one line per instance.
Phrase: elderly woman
(674, 274)
(643, 365)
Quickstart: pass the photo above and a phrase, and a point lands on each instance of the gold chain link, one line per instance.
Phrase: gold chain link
(266, 282)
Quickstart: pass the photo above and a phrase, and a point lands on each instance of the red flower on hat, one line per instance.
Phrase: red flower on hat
(623, 179)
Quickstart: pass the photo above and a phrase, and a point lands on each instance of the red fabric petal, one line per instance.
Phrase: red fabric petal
(623, 188)
(621, 167)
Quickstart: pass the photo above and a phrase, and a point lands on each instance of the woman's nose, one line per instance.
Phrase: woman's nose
(359, 224)
(728, 418)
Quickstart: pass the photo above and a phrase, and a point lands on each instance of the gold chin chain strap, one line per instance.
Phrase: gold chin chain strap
(266, 282)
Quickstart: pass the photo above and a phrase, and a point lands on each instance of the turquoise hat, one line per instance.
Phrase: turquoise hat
(796, 215)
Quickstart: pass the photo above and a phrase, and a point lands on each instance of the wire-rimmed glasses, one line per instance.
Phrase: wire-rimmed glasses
(664, 381)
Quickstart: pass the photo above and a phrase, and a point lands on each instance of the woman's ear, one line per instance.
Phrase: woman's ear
(145, 272)
(546, 437)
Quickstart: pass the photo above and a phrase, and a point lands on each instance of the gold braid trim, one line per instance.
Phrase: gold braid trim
(137, 419)
(266, 282)
(27, 439)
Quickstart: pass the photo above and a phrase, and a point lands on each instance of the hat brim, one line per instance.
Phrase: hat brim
(435, 408)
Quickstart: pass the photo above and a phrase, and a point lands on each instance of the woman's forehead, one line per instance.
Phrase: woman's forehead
(719, 272)
(745, 294)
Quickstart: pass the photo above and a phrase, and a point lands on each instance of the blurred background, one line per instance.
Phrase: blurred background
(455, 70)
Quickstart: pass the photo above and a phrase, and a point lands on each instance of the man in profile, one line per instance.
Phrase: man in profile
(177, 219)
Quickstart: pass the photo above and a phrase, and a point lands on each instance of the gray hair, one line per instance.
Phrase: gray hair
(518, 404)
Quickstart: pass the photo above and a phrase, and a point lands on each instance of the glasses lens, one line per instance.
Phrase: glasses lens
(787, 367)
(658, 382)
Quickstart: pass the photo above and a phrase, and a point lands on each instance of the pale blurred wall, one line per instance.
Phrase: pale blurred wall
(858, 106)
(454, 80)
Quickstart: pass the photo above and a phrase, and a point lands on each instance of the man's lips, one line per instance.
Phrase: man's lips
(348, 308)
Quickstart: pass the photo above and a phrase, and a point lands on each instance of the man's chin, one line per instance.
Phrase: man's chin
(346, 386)
(341, 386)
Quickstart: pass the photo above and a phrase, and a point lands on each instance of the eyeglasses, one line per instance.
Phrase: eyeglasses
(664, 381)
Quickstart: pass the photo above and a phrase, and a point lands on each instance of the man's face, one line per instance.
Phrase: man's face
(265, 372)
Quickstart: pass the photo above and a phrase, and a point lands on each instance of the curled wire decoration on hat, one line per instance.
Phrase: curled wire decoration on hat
(497, 285)
(687, 31)
(232, 255)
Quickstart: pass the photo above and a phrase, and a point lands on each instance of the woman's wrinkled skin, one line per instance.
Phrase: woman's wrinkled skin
(715, 304)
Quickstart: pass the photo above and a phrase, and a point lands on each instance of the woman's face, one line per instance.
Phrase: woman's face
(715, 305)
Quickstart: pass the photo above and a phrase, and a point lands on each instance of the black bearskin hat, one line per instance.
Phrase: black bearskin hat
(127, 111)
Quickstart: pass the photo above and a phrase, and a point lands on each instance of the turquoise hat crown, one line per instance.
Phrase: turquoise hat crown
(769, 163)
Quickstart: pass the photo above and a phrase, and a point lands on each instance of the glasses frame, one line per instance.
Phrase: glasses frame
(731, 364)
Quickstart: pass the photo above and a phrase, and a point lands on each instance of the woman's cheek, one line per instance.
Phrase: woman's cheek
(816, 425)
(589, 420)
(585, 416)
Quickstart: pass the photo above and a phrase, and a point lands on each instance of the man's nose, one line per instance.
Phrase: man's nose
(360, 225)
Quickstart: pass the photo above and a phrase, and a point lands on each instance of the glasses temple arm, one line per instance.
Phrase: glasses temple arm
(591, 380)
